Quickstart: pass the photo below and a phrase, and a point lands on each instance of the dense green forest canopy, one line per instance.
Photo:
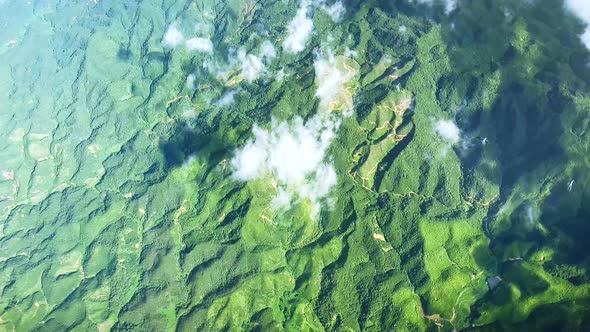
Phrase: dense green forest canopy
(271, 165)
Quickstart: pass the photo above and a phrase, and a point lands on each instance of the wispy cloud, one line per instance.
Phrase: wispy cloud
(332, 76)
(241, 64)
(251, 66)
(267, 50)
(172, 37)
(336, 11)
(450, 5)
(200, 45)
(293, 155)
(581, 8)
(227, 99)
(299, 30)
(448, 130)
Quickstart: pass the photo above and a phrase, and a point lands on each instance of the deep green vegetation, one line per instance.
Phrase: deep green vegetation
(119, 210)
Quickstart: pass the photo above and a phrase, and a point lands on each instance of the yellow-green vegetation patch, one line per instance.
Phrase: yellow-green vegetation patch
(457, 279)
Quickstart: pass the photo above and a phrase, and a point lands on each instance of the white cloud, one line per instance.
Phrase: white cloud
(298, 30)
(350, 53)
(227, 99)
(173, 37)
(294, 156)
(282, 201)
(530, 215)
(218, 68)
(586, 37)
(190, 81)
(581, 8)
(331, 78)
(268, 50)
(251, 66)
(280, 75)
(448, 130)
(450, 5)
(336, 11)
(205, 28)
(200, 45)
(189, 114)
(189, 161)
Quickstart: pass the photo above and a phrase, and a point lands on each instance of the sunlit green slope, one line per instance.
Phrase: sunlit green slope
(189, 166)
